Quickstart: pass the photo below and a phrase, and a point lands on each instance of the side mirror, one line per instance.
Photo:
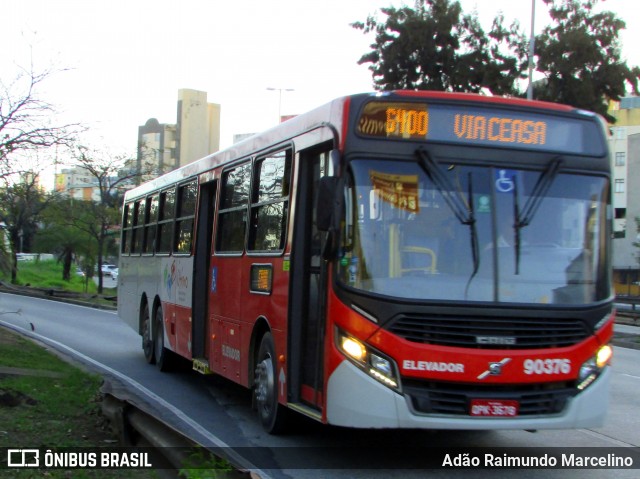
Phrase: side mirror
(329, 204)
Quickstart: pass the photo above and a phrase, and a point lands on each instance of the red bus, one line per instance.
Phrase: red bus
(388, 260)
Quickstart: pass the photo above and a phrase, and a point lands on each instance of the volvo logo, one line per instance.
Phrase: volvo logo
(499, 340)
(495, 368)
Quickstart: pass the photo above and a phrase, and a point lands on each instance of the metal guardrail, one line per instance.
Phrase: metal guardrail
(632, 300)
(628, 316)
(173, 452)
(83, 299)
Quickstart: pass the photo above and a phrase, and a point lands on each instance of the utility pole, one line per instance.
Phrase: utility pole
(532, 41)
(279, 90)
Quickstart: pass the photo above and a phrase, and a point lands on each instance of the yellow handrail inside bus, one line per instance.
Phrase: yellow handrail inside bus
(432, 268)
(396, 251)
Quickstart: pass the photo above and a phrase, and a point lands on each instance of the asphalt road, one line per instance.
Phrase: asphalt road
(218, 413)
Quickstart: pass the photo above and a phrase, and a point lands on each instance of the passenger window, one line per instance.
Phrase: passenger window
(186, 211)
(270, 202)
(166, 212)
(127, 222)
(138, 226)
(232, 217)
(150, 225)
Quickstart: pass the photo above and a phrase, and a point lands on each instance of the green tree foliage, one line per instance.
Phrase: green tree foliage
(60, 234)
(580, 57)
(433, 46)
(21, 203)
(104, 215)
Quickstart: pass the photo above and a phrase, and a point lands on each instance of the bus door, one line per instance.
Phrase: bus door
(308, 287)
(201, 280)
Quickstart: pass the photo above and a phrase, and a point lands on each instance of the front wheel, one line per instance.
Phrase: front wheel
(271, 414)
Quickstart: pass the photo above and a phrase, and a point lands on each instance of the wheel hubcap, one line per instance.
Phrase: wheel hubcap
(265, 383)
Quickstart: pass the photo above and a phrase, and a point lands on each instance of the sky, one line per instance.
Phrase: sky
(122, 62)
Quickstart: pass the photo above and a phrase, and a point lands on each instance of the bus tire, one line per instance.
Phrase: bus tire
(272, 415)
(162, 354)
(147, 340)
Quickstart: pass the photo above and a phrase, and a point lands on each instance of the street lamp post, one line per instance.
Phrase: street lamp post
(531, 51)
(279, 90)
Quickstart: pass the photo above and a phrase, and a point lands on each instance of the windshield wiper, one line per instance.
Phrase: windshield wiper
(523, 218)
(463, 210)
(456, 203)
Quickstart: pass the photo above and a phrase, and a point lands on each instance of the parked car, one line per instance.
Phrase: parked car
(107, 270)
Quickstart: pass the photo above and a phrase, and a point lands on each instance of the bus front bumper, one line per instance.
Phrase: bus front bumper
(354, 399)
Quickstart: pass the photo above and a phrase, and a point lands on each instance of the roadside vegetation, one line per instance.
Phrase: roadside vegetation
(48, 274)
(47, 402)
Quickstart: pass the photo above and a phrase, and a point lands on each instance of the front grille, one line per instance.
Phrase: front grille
(489, 332)
(446, 398)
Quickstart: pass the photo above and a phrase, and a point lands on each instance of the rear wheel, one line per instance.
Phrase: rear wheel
(147, 341)
(162, 354)
(272, 415)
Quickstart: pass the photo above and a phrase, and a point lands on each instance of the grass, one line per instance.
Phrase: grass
(48, 274)
(50, 403)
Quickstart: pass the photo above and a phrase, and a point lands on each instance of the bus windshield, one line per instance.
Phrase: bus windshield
(478, 233)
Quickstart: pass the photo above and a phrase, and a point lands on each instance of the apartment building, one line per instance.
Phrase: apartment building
(164, 147)
(624, 146)
(77, 183)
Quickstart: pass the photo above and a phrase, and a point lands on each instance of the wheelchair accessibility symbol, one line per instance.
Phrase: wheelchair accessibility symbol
(504, 181)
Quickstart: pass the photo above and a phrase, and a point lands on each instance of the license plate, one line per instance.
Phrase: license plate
(494, 408)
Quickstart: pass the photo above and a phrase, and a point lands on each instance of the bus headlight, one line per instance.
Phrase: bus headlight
(353, 348)
(592, 368)
(374, 363)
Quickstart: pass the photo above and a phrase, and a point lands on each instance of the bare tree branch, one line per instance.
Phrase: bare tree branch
(28, 123)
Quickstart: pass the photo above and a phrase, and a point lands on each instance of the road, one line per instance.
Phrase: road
(218, 413)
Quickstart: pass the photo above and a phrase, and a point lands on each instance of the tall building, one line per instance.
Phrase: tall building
(624, 145)
(157, 148)
(198, 127)
(164, 147)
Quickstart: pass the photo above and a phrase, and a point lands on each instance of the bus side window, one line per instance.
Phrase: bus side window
(127, 221)
(138, 226)
(148, 238)
(151, 217)
(269, 204)
(186, 210)
(165, 221)
(232, 215)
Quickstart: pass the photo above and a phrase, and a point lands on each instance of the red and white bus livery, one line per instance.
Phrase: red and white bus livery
(388, 260)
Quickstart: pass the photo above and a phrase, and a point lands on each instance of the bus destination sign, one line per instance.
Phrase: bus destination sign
(473, 125)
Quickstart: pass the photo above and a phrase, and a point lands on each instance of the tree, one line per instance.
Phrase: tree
(104, 214)
(580, 57)
(26, 121)
(59, 233)
(21, 203)
(433, 46)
